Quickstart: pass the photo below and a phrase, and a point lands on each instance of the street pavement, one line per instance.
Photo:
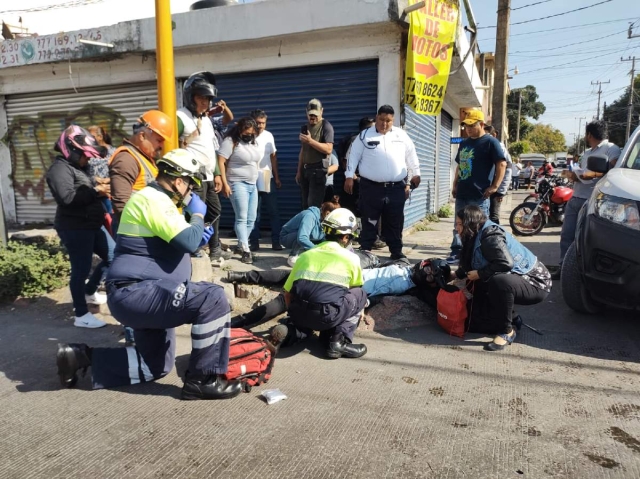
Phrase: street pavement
(420, 404)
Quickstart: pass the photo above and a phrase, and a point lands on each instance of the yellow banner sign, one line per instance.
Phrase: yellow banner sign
(429, 51)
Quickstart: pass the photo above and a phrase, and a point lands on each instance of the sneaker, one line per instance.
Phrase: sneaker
(398, 256)
(453, 260)
(277, 247)
(291, 260)
(218, 255)
(246, 258)
(96, 298)
(254, 247)
(88, 321)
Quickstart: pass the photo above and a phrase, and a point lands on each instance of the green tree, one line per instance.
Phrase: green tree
(546, 139)
(531, 108)
(518, 148)
(615, 115)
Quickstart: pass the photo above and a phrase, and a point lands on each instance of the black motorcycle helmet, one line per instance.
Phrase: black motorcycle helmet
(432, 271)
(201, 83)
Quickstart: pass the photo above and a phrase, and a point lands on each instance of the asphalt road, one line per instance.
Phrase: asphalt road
(420, 404)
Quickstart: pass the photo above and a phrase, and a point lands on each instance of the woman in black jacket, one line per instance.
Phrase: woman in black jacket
(79, 219)
(504, 271)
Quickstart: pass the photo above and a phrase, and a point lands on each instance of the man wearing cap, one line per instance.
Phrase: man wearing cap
(389, 169)
(481, 167)
(133, 165)
(317, 144)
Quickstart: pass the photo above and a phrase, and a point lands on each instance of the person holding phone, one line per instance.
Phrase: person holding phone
(316, 137)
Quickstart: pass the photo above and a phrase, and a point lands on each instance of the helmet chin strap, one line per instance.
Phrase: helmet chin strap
(177, 197)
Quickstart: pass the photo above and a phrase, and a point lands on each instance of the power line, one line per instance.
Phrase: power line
(571, 44)
(559, 66)
(530, 5)
(552, 16)
(570, 27)
(569, 53)
(68, 4)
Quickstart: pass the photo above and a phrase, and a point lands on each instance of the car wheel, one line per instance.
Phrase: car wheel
(574, 292)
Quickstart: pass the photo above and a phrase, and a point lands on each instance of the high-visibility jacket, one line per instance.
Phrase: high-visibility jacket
(148, 170)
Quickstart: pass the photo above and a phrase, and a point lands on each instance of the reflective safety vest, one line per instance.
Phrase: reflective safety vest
(148, 170)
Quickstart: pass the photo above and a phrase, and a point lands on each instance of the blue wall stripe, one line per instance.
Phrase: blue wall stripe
(422, 130)
(348, 92)
(444, 158)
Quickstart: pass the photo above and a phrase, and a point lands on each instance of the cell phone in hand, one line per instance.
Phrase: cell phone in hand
(215, 110)
(304, 130)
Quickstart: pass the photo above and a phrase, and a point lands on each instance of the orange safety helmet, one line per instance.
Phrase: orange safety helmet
(158, 122)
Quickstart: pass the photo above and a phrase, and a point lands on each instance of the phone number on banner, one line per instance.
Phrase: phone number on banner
(424, 97)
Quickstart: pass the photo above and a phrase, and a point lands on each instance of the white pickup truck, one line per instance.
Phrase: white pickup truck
(602, 267)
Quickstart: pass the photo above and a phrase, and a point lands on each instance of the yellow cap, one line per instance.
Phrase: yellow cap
(473, 116)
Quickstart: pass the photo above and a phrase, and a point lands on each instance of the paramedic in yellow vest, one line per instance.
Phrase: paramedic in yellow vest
(133, 165)
(324, 291)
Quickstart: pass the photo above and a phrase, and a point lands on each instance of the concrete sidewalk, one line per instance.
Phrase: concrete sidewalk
(420, 404)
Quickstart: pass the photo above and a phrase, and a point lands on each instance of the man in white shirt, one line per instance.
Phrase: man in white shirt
(196, 134)
(389, 169)
(583, 184)
(268, 180)
(516, 168)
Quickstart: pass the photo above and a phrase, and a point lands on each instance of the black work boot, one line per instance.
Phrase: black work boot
(70, 359)
(345, 348)
(209, 387)
(239, 276)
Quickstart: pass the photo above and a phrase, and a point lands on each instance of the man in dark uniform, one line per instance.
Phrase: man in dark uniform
(149, 290)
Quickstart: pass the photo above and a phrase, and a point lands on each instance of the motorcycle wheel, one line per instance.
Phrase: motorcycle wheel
(527, 227)
(530, 199)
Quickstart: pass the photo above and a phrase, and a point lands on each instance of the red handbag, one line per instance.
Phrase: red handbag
(452, 312)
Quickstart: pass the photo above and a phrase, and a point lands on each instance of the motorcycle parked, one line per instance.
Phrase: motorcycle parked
(546, 205)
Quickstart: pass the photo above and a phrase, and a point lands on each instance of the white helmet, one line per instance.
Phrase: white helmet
(181, 162)
(340, 221)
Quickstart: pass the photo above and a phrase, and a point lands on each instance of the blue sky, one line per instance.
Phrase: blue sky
(562, 73)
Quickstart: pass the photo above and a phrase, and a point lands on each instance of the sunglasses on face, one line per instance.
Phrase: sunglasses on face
(313, 116)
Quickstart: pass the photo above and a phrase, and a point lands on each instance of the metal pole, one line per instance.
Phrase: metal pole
(499, 100)
(519, 110)
(164, 68)
(630, 106)
(579, 131)
(599, 83)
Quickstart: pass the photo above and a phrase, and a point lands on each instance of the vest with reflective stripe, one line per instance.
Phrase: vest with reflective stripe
(148, 170)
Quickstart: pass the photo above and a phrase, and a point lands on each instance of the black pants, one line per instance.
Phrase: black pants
(208, 194)
(339, 319)
(494, 207)
(502, 292)
(273, 277)
(313, 183)
(378, 202)
(261, 314)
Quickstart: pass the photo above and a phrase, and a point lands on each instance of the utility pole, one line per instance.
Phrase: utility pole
(164, 67)
(599, 83)
(499, 100)
(630, 111)
(579, 131)
(519, 110)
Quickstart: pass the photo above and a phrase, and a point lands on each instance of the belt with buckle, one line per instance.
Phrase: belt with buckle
(385, 184)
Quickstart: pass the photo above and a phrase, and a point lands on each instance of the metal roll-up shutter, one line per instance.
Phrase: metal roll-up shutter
(422, 130)
(36, 121)
(348, 92)
(444, 159)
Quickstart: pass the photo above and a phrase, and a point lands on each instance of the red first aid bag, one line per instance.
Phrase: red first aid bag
(452, 312)
(250, 359)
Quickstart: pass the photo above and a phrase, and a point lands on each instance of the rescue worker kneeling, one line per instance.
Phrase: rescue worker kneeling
(149, 290)
(323, 292)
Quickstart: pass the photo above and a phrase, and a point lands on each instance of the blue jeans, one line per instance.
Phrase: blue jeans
(515, 182)
(244, 199)
(81, 245)
(456, 244)
(568, 233)
(270, 201)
